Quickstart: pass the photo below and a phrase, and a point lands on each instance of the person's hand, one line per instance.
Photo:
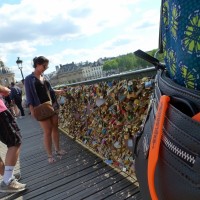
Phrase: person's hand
(5, 91)
(60, 92)
(32, 111)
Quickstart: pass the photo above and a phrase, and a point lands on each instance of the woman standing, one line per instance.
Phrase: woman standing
(36, 93)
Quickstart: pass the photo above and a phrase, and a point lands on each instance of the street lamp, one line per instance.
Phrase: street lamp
(19, 63)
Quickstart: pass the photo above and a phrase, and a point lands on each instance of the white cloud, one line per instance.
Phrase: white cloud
(60, 29)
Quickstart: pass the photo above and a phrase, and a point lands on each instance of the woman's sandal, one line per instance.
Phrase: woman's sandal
(60, 153)
(51, 159)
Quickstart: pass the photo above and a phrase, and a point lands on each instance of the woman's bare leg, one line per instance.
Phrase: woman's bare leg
(55, 133)
(47, 128)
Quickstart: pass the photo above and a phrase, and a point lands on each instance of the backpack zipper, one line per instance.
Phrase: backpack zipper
(185, 155)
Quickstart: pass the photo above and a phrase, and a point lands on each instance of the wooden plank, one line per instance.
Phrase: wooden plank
(136, 196)
(56, 180)
(125, 193)
(80, 174)
(113, 189)
(75, 185)
(98, 185)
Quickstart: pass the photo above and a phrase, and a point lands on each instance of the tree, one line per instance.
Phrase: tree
(110, 64)
(130, 62)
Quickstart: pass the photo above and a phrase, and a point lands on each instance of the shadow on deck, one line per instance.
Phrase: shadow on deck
(78, 175)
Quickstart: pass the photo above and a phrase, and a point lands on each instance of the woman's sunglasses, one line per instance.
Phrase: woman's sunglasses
(45, 66)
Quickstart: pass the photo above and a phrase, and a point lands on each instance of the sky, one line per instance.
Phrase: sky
(67, 31)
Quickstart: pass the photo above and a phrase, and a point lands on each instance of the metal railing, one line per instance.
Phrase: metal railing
(151, 71)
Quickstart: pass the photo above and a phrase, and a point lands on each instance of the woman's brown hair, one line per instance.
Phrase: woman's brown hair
(39, 61)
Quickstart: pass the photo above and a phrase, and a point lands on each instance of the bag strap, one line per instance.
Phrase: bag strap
(160, 42)
(48, 93)
(155, 144)
(150, 59)
(196, 117)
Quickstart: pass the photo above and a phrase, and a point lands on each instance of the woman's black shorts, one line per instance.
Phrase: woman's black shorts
(9, 131)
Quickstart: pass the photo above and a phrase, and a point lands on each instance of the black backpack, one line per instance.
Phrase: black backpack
(17, 96)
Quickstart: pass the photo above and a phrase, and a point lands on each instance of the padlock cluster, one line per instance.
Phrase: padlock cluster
(104, 116)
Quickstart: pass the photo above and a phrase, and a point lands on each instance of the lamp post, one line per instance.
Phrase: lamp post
(19, 63)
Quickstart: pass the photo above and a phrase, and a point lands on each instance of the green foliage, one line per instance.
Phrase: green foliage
(159, 56)
(126, 62)
(130, 62)
(110, 64)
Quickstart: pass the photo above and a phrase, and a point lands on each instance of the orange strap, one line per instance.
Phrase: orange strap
(155, 144)
(196, 117)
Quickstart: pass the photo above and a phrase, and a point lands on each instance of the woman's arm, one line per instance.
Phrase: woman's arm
(59, 92)
(31, 108)
(29, 98)
(29, 91)
(4, 90)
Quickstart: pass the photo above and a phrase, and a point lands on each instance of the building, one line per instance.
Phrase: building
(6, 75)
(72, 73)
(92, 70)
(65, 74)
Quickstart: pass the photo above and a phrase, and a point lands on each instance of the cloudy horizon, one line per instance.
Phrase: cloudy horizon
(68, 31)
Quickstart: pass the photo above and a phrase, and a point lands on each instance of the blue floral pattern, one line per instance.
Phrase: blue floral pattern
(181, 41)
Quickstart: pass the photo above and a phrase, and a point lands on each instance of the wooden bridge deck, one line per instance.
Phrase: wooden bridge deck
(78, 175)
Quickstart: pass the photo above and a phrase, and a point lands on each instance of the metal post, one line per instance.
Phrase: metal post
(19, 62)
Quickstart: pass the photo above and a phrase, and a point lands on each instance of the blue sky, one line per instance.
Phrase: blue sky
(68, 31)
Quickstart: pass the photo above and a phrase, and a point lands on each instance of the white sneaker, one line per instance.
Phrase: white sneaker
(13, 186)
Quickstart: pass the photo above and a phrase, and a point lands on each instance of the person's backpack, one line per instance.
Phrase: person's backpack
(167, 148)
(17, 96)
